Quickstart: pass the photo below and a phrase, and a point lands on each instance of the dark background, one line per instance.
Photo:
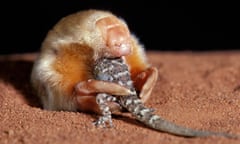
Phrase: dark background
(159, 25)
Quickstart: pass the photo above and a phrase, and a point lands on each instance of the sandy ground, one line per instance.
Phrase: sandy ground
(196, 90)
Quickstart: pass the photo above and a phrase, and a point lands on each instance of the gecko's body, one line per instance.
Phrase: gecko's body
(116, 70)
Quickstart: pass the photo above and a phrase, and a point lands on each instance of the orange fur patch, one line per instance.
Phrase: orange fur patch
(136, 61)
(74, 64)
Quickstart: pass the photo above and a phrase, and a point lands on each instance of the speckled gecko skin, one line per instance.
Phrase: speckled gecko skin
(116, 70)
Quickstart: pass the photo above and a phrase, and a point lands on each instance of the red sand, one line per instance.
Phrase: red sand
(197, 90)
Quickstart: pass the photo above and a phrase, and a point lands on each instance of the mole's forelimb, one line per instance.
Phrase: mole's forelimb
(116, 70)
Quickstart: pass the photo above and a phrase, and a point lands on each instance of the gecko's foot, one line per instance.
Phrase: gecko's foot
(104, 121)
(152, 110)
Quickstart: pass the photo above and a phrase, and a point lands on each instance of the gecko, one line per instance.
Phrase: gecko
(116, 70)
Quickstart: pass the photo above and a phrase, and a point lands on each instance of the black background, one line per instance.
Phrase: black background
(159, 25)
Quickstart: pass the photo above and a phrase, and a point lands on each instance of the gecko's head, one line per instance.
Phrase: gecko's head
(116, 35)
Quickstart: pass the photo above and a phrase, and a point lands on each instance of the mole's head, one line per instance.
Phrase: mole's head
(116, 36)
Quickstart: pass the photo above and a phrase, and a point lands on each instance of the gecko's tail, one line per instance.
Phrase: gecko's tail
(146, 116)
(160, 124)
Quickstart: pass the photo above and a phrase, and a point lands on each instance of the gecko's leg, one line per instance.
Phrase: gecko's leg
(89, 104)
(102, 100)
(145, 82)
(95, 86)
